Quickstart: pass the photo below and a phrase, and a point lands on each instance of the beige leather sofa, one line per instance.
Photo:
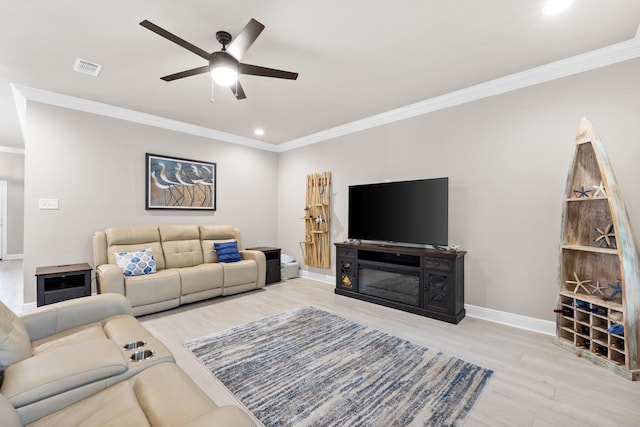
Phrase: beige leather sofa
(187, 267)
(66, 364)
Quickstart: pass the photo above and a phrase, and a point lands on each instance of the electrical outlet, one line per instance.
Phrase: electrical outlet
(48, 203)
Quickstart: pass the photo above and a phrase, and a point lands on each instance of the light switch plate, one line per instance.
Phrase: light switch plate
(48, 203)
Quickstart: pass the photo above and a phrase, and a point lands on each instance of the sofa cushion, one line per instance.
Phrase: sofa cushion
(240, 273)
(15, 344)
(152, 288)
(136, 263)
(60, 370)
(115, 406)
(78, 335)
(134, 238)
(160, 396)
(200, 278)
(181, 245)
(209, 234)
(227, 251)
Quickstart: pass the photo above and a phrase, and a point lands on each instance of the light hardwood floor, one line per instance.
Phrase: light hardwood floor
(11, 284)
(535, 383)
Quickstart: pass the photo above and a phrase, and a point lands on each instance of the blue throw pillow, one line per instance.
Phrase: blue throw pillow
(227, 251)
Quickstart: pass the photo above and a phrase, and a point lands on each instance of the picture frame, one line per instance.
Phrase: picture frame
(179, 184)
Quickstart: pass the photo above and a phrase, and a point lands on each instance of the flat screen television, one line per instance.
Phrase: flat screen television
(403, 212)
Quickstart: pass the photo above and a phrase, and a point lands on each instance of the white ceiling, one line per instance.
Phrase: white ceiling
(356, 58)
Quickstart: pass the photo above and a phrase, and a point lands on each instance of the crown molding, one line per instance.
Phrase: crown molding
(26, 93)
(599, 58)
(11, 150)
(613, 54)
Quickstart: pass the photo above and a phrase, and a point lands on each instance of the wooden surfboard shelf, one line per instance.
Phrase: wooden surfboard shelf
(599, 280)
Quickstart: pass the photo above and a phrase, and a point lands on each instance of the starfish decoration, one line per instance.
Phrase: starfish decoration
(582, 192)
(598, 288)
(599, 190)
(616, 290)
(579, 284)
(606, 237)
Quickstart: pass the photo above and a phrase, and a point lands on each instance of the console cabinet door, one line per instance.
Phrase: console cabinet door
(437, 291)
(346, 270)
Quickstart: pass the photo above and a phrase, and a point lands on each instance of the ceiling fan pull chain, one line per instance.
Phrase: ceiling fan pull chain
(212, 85)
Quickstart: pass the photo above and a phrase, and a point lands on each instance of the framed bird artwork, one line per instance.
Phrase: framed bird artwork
(175, 183)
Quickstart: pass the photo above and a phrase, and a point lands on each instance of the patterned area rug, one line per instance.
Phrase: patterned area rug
(308, 367)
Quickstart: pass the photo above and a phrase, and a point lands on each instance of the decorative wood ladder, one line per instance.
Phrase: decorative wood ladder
(599, 283)
(315, 246)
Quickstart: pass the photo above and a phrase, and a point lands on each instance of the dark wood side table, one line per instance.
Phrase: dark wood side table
(273, 262)
(62, 282)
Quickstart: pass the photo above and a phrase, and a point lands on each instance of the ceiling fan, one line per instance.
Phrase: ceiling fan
(224, 65)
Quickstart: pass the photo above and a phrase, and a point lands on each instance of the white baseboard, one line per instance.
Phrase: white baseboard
(509, 319)
(29, 306)
(324, 278)
(9, 257)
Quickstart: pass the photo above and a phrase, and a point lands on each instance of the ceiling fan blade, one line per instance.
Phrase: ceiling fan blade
(238, 91)
(245, 39)
(187, 73)
(256, 70)
(177, 40)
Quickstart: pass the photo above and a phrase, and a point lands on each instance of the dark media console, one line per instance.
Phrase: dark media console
(428, 282)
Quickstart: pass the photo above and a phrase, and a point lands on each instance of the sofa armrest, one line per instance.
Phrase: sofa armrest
(222, 416)
(99, 241)
(110, 279)
(62, 369)
(8, 413)
(260, 259)
(52, 319)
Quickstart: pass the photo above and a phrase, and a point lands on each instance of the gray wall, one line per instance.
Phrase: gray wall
(12, 171)
(507, 158)
(95, 166)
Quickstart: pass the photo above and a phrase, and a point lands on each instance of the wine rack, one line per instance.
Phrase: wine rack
(585, 322)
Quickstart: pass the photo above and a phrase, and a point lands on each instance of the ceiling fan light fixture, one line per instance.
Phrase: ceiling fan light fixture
(224, 66)
(556, 6)
(224, 75)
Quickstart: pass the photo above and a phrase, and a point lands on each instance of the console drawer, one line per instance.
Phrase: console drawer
(351, 253)
(437, 264)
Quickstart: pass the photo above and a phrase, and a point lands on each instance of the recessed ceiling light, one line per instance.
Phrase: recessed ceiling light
(556, 6)
(259, 132)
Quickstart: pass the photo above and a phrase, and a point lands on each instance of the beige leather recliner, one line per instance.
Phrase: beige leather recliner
(64, 352)
(67, 361)
(186, 262)
(160, 396)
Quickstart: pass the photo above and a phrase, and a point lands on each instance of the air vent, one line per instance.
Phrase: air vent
(87, 67)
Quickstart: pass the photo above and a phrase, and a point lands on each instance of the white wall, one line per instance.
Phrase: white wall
(95, 166)
(507, 158)
(12, 171)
